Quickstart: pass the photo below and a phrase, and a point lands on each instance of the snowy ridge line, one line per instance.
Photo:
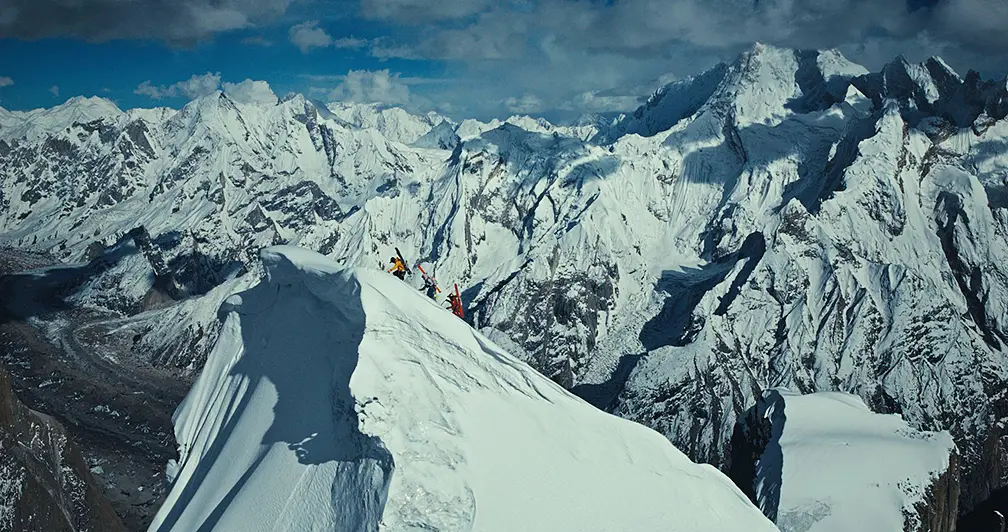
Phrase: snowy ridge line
(342, 399)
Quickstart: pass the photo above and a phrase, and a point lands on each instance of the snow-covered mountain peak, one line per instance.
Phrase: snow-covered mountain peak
(394, 123)
(833, 63)
(296, 101)
(667, 106)
(95, 104)
(441, 137)
(336, 399)
(77, 110)
(528, 123)
(782, 220)
(764, 85)
(470, 127)
(759, 85)
(925, 89)
(939, 68)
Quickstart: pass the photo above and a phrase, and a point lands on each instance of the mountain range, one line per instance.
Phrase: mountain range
(788, 219)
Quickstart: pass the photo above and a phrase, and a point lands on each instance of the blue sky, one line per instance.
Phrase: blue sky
(478, 58)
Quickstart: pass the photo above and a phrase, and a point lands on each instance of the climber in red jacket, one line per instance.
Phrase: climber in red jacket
(456, 305)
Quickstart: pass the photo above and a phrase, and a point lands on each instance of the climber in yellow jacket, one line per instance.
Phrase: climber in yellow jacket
(398, 268)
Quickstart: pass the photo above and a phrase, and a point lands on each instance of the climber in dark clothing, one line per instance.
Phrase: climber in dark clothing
(430, 288)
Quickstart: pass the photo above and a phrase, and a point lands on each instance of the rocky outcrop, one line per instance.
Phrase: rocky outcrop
(45, 483)
(937, 511)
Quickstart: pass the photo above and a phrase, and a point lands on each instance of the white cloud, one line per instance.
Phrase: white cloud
(54, 90)
(249, 91)
(5, 81)
(194, 87)
(257, 40)
(420, 10)
(319, 92)
(382, 48)
(308, 35)
(350, 43)
(367, 86)
(599, 101)
(493, 36)
(571, 54)
(147, 89)
(528, 103)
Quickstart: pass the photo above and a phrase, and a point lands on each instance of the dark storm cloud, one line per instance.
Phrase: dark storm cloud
(484, 29)
(595, 45)
(174, 21)
(646, 26)
(545, 54)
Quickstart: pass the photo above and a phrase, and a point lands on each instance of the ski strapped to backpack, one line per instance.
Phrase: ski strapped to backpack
(426, 276)
(405, 264)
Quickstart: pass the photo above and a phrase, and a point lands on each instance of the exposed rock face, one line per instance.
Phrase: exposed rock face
(937, 512)
(45, 483)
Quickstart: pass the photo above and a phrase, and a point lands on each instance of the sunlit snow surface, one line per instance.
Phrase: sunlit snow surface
(342, 399)
(844, 467)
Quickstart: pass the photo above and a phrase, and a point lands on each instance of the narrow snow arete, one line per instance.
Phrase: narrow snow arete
(341, 399)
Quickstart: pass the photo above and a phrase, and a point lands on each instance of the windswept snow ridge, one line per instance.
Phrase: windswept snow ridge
(342, 399)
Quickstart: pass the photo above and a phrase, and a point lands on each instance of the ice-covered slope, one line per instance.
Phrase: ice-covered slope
(824, 463)
(848, 251)
(342, 399)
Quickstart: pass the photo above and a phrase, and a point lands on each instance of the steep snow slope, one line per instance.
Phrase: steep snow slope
(827, 463)
(344, 400)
